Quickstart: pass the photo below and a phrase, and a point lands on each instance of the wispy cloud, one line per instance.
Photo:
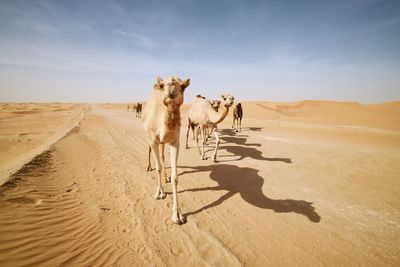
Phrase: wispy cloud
(134, 38)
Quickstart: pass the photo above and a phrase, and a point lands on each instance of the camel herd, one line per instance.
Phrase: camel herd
(162, 124)
(203, 116)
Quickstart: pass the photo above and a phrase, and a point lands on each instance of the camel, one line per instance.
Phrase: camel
(203, 115)
(237, 117)
(162, 124)
(192, 125)
(215, 105)
(138, 108)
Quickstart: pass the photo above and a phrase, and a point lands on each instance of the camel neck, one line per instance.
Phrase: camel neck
(172, 116)
(217, 117)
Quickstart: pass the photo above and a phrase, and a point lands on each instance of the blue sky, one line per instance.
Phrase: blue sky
(112, 51)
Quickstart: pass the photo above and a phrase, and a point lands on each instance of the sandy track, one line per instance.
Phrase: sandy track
(282, 194)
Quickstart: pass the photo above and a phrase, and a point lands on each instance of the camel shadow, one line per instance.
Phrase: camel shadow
(246, 150)
(238, 141)
(229, 132)
(255, 129)
(249, 152)
(232, 132)
(248, 183)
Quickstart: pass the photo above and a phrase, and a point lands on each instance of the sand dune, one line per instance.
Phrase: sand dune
(307, 183)
(26, 130)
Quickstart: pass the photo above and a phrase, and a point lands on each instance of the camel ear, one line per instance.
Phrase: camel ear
(223, 97)
(185, 84)
(159, 83)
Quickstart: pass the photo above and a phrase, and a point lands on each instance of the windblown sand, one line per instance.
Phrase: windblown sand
(304, 184)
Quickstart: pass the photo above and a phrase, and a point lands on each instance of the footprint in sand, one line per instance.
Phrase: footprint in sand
(208, 253)
(176, 248)
(160, 228)
(231, 212)
(248, 229)
(72, 188)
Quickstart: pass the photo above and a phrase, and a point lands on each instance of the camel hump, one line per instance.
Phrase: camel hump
(200, 96)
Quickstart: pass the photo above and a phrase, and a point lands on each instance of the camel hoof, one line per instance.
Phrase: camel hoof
(167, 179)
(160, 196)
(178, 219)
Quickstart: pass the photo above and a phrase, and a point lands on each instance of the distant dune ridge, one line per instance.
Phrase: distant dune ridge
(304, 183)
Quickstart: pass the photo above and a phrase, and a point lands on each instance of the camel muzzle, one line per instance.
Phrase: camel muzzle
(171, 96)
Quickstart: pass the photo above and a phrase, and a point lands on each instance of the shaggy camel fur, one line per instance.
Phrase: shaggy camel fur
(203, 115)
(237, 117)
(162, 123)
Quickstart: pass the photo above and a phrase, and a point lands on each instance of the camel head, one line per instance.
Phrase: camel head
(215, 104)
(227, 100)
(172, 89)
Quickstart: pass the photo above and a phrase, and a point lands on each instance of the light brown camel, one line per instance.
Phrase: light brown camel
(215, 105)
(162, 124)
(237, 117)
(202, 115)
(192, 125)
(209, 129)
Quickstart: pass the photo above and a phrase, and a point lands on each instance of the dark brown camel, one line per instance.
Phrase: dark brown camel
(237, 117)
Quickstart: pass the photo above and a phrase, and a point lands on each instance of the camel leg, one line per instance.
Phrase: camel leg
(193, 132)
(162, 151)
(197, 139)
(233, 122)
(177, 216)
(159, 192)
(240, 124)
(187, 136)
(198, 132)
(216, 144)
(209, 132)
(202, 129)
(149, 160)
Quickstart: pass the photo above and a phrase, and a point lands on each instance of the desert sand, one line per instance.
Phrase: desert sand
(310, 183)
